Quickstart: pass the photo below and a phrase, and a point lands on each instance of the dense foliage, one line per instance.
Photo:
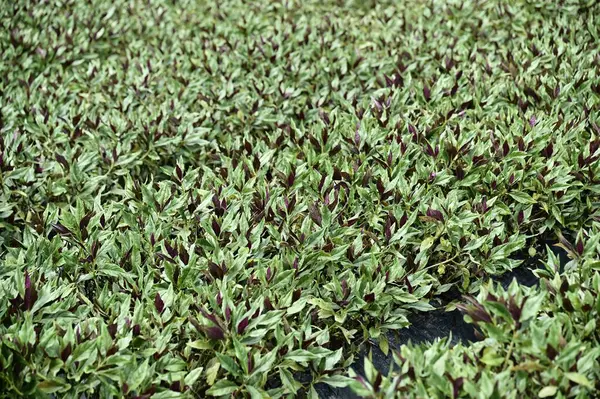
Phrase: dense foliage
(208, 198)
(538, 342)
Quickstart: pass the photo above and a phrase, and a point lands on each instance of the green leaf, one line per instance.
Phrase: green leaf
(27, 333)
(256, 393)
(212, 370)
(475, 244)
(491, 358)
(229, 364)
(532, 306)
(333, 359)
(192, 376)
(168, 394)
(300, 355)
(579, 379)
(53, 386)
(384, 345)
(221, 388)
(500, 310)
(288, 381)
(370, 371)
(426, 244)
(296, 307)
(522, 197)
(200, 344)
(337, 381)
(138, 375)
(503, 251)
(265, 362)
(439, 367)
(548, 391)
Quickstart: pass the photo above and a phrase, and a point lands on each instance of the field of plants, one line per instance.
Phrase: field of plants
(254, 199)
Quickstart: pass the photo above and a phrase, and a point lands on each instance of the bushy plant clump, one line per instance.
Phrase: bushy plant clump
(538, 342)
(212, 198)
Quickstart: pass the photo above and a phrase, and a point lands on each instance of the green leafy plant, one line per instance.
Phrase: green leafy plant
(537, 342)
(216, 198)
